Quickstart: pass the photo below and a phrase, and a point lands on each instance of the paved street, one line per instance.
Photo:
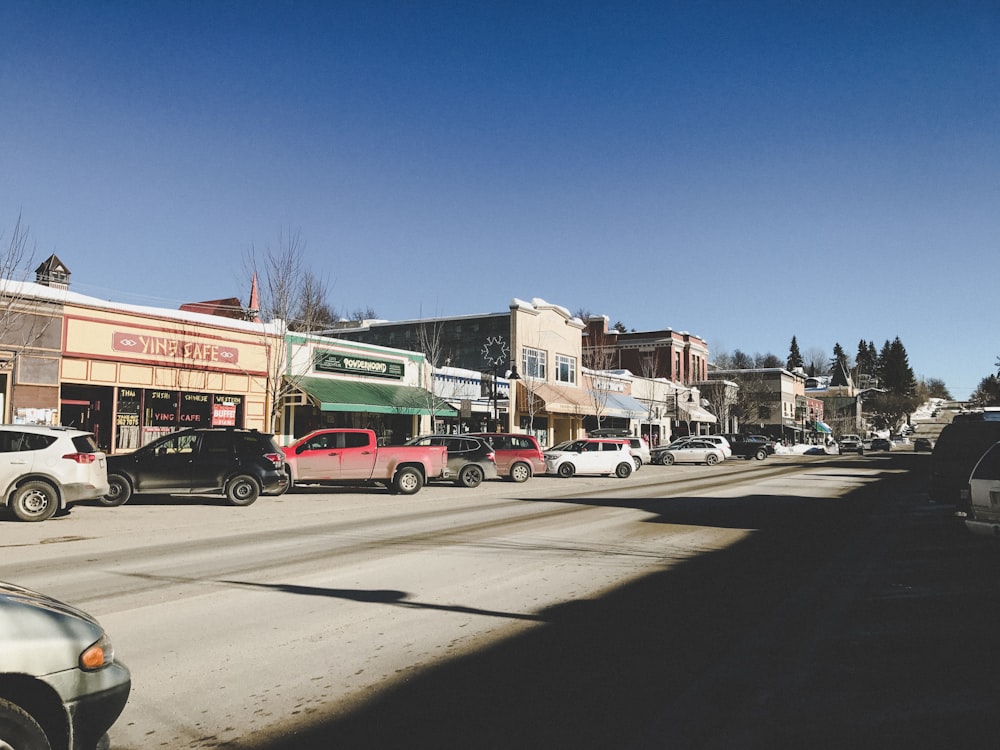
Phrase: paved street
(799, 602)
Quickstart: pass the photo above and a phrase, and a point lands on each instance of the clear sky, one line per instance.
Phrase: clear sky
(745, 171)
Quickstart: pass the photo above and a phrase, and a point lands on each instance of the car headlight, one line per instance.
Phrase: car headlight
(98, 655)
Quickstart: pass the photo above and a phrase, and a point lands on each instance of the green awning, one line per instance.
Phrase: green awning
(373, 398)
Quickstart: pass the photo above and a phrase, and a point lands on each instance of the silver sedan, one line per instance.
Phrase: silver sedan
(694, 452)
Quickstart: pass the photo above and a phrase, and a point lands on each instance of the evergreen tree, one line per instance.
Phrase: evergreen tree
(794, 355)
(987, 393)
(839, 361)
(897, 374)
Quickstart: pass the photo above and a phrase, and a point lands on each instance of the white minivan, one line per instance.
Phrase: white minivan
(983, 495)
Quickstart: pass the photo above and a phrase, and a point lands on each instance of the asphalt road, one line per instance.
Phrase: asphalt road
(799, 602)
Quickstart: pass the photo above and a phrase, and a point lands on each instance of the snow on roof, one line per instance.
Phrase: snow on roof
(31, 290)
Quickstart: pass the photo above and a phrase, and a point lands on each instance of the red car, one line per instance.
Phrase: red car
(519, 457)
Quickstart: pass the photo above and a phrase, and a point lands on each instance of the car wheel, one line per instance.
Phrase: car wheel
(34, 501)
(19, 730)
(242, 490)
(638, 462)
(711, 459)
(408, 481)
(470, 476)
(520, 472)
(624, 470)
(566, 469)
(761, 454)
(668, 459)
(119, 491)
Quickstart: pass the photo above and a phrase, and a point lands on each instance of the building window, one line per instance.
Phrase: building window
(533, 362)
(565, 369)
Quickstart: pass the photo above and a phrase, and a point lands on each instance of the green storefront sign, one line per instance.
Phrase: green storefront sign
(351, 365)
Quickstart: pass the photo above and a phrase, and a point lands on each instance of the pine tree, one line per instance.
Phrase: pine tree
(794, 355)
(839, 361)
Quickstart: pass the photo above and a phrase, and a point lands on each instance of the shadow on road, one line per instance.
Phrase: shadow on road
(717, 652)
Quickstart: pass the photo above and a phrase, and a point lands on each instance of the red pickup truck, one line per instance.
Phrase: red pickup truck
(346, 456)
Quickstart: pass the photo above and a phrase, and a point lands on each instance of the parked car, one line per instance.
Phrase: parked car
(640, 450)
(339, 456)
(745, 446)
(658, 454)
(241, 464)
(518, 457)
(61, 685)
(639, 445)
(922, 444)
(604, 456)
(694, 452)
(956, 451)
(44, 469)
(982, 495)
(851, 444)
(470, 459)
(881, 444)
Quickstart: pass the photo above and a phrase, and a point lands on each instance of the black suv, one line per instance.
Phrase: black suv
(242, 464)
(749, 446)
(470, 459)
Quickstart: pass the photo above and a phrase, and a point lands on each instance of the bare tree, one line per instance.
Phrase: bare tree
(291, 299)
(430, 342)
(599, 355)
(23, 320)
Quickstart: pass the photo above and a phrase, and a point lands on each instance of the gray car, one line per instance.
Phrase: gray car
(61, 686)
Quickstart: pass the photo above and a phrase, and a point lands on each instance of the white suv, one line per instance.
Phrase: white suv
(44, 469)
(592, 456)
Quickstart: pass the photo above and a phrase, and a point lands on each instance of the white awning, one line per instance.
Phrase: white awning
(694, 413)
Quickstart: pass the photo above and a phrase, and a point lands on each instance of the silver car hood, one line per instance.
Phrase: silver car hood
(40, 635)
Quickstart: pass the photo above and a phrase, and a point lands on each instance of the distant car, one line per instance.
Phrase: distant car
(881, 444)
(694, 452)
(592, 456)
(658, 454)
(241, 464)
(470, 459)
(851, 444)
(640, 450)
(923, 444)
(61, 685)
(745, 446)
(44, 469)
(982, 495)
(518, 457)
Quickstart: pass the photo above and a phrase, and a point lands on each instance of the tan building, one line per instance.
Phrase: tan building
(125, 372)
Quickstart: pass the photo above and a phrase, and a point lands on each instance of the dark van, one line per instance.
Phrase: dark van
(958, 448)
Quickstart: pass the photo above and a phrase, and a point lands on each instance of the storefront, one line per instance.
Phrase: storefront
(335, 383)
(130, 375)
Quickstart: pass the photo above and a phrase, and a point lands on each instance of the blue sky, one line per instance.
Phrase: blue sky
(745, 171)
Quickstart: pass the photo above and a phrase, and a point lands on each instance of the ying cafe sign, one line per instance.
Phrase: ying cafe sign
(346, 364)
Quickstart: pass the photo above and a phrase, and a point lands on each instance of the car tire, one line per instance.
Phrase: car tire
(34, 501)
(566, 470)
(119, 492)
(638, 462)
(408, 481)
(624, 470)
(668, 459)
(711, 459)
(242, 490)
(520, 472)
(761, 454)
(19, 730)
(470, 477)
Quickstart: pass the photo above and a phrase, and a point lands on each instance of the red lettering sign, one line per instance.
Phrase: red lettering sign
(163, 347)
